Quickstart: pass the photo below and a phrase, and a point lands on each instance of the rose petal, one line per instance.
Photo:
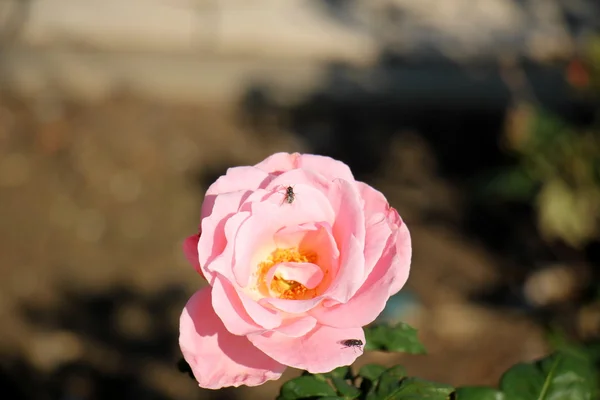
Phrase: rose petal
(348, 208)
(216, 251)
(387, 278)
(307, 274)
(327, 166)
(237, 179)
(255, 239)
(296, 327)
(293, 306)
(228, 306)
(218, 358)
(350, 276)
(404, 254)
(318, 351)
(279, 162)
(241, 314)
(377, 227)
(213, 242)
(190, 249)
(349, 233)
(370, 300)
(240, 179)
(297, 178)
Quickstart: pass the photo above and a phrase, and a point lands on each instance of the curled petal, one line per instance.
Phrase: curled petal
(190, 249)
(350, 276)
(369, 301)
(296, 327)
(349, 233)
(218, 358)
(327, 166)
(308, 274)
(404, 254)
(318, 351)
(255, 239)
(213, 242)
(240, 314)
(240, 179)
(378, 229)
(216, 251)
(387, 278)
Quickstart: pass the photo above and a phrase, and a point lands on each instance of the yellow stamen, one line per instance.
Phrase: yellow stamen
(282, 288)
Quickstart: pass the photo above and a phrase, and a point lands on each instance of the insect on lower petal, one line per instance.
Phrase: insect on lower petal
(354, 343)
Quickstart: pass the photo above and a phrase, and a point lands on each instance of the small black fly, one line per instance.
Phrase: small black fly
(290, 196)
(352, 343)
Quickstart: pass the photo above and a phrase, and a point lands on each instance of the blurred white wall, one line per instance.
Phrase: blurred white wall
(193, 50)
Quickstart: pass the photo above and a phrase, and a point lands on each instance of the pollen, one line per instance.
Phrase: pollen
(282, 288)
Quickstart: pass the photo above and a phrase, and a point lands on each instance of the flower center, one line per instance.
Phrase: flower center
(280, 287)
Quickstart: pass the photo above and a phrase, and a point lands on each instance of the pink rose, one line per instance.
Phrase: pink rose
(288, 281)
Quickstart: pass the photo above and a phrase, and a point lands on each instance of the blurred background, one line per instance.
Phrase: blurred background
(478, 119)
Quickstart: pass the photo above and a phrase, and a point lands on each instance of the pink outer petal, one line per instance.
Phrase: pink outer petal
(404, 253)
(296, 327)
(298, 177)
(326, 166)
(349, 214)
(190, 249)
(364, 307)
(279, 162)
(293, 306)
(244, 179)
(388, 277)
(378, 229)
(216, 247)
(214, 240)
(218, 358)
(317, 352)
(240, 314)
(350, 276)
(228, 306)
(240, 178)
(349, 233)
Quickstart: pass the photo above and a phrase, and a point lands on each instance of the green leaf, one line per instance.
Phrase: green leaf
(344, 388)
(390, 379)
(305, 386)
(513, 184)
(561, 376)
(371, 372)
(401, 337)
(340, 372)
(478, 393)
(559, 342)
(419, 389)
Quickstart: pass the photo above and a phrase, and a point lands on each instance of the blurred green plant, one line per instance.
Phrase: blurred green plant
(570, 373)
(567, 374)
(558, 165)
(557, 170)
